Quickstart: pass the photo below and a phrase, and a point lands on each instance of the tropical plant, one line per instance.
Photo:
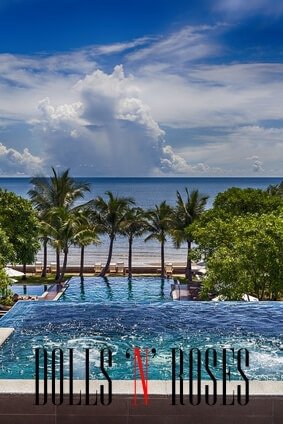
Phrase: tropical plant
(244, 255)
(159, 220)
(133, 225)
(7, 253)
(242, 201)
(21, 226)
(86, 234)
(186, 211)
(275, 189)
(108, 215)
(4, 283)
(66, 228)
(59, 190)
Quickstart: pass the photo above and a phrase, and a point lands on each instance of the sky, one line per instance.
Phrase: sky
(141, 88)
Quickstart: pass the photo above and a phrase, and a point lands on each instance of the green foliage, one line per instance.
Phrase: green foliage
(4, 282)
(6, 249)
(60, 190)
(7, 300)
(158, 222)
(21, 226)
(237, 201)
(244, 255)
(109, 214)
(134, 223)
(186, 211)
(275, 189)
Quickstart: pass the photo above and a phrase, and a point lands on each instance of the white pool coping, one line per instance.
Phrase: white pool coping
(5, 332)
(155, 387)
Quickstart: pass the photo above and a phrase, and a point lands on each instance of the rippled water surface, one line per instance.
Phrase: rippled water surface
(163, 325)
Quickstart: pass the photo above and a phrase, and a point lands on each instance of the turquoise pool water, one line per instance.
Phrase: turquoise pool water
(29, 290)
(117, 289)
(124, 325)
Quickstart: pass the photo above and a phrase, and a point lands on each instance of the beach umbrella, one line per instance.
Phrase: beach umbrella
(196, 268)
(13, 272)
(12, 280)
(248, 298)
(219, 298)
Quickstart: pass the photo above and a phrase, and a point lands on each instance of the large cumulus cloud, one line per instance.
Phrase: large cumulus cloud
(109, 130)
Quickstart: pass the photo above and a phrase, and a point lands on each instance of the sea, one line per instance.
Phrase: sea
(147, 192)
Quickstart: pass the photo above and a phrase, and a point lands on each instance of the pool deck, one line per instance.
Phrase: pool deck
(5, 333)
(155, 387)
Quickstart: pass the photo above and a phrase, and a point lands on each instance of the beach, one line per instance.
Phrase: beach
(147, 192)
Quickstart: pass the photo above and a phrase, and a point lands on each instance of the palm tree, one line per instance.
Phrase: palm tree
(109, 215)
(86, 234)
(158, 225)
(67, 228)
(59, 190)
(275, 189)
(184, 214)
(134, 225)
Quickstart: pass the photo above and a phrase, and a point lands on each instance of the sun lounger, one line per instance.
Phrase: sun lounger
(38, 267)
(169, 269)
(97, 268)
(53, 267)
(113, 268)
(120, 268)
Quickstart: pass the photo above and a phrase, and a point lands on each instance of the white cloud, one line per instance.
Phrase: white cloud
(211, 96)
(186, 45)
(13, 162)
(103, 123)
(240, 150)
(108, 131)
(121, 47)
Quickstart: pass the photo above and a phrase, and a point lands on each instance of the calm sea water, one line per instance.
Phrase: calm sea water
(147, 192)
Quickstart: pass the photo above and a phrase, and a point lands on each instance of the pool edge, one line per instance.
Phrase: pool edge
(126, 387)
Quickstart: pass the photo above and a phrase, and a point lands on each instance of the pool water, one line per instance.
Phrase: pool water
(28, 290)
(163, 325)
(118, 289)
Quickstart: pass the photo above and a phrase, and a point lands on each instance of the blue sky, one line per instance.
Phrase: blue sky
(164, 87)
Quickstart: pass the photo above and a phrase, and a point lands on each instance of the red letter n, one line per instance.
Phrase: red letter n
(144, 377)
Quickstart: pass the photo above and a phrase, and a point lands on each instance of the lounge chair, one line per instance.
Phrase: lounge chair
(113, 268)
(97, 268)
(169, 270)
(53, 267)
(38, 267)
(120, 268)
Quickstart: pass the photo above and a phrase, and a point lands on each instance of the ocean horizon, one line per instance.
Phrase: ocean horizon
(147, 191)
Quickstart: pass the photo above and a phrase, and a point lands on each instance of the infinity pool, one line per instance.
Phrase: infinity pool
(117, 289)
(29, 290)
(124, 325)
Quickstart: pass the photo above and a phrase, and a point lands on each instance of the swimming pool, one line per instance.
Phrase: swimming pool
(117, 289)
(28, 289)
(124, 325)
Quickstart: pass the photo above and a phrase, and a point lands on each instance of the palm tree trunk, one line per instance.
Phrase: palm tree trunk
(64, 267)
(44, 269)
(24, 277)
(189, 274)
(130, 257)
(105, 269)
(57, 263)
(82, 261)
(162, 260)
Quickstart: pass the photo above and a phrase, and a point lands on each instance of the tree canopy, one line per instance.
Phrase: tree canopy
(20, 223)
(241, 238)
